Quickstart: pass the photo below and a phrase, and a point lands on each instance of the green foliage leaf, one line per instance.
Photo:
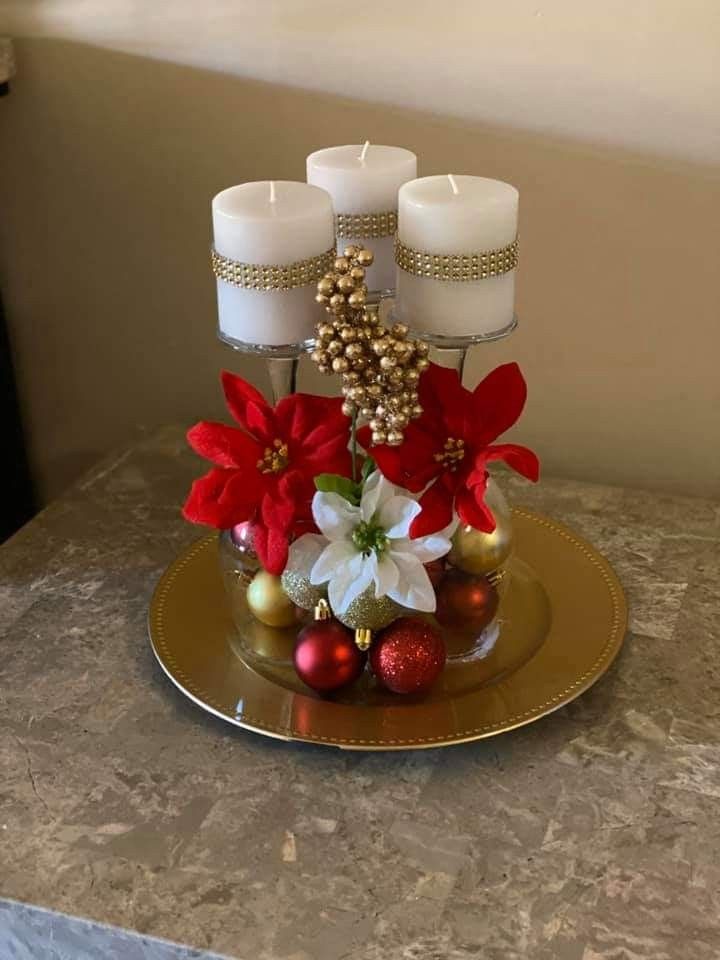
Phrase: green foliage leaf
(367, 468)
(333, 483)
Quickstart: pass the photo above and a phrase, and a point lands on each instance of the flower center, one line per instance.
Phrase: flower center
(368, 537)
(452, 453)
(274, 458)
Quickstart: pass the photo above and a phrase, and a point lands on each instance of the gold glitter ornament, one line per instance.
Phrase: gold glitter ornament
(368, 612)
(302, 593)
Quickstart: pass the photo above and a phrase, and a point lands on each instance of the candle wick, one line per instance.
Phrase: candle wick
(363, 152)
(453, 184)
(273, 195)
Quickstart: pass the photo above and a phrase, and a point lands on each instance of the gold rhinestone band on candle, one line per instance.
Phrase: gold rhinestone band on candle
(459, 266)
(264, 276)
(352, 226)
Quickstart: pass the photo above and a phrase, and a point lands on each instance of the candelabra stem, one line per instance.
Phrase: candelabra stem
(283, 376)
(452, 357)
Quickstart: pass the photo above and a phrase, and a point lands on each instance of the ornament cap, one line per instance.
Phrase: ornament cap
(322, 610)
(496, 577)
(363, 638)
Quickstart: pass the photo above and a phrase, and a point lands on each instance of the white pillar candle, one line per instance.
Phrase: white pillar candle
(456, 215)
(270, 223)
(365, 179)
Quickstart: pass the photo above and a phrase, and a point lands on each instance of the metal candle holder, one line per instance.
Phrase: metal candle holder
(452, 351)
(281, 361)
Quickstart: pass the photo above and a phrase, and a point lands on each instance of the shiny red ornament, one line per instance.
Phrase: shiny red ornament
(242, 536)
(408, 656)
(326, 657)
(466, 601)
(436, 571)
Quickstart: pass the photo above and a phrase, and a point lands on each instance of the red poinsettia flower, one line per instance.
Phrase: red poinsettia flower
(447, 449)
(265, 470)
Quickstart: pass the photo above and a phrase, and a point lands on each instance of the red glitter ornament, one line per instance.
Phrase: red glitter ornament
(466, 601)
(326, 656)
(408, 656)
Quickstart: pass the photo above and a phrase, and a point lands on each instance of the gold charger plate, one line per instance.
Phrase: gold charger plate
(561, 623)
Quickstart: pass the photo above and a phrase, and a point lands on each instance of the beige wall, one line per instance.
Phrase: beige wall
(637, 73)
(108, 164)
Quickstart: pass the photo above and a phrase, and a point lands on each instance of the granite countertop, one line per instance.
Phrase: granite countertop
(591, 834)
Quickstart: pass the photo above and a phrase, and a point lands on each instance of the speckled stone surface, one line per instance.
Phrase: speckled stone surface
(591, 835)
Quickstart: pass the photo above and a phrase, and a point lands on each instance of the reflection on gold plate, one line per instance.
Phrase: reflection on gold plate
(561, 621)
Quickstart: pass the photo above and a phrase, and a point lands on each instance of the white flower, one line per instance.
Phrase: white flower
(370, 544)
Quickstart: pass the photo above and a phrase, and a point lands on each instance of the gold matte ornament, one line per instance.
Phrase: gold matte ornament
(380, 368)
(270, 643)
(456, 267)
(485, 553)
(268, 602)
